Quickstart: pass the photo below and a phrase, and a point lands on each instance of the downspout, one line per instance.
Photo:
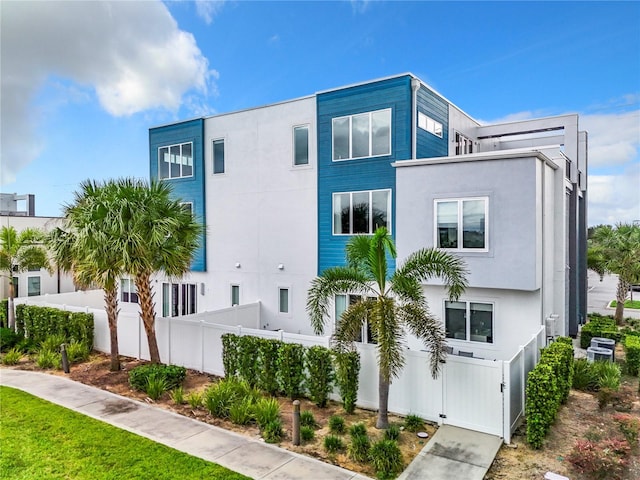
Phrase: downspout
(415, 86)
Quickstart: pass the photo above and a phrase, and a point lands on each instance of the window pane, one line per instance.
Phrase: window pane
(360, 135)
(175, 298)
(33, 286)
(185, 299)
(455, 322)
(473, 224)
(380, 209)
(124, 290)
(133, 292)
(192, 299)
(235, 295)
(341, 207)
(341, 138)
(340, 306)
(481, 322)
(284, 300)
(301, 145)
(381, 132)
(361, 212)
(447, 224)
(166, 298)
(16, 292)
(187, 160)
(218, 156)
(163, 162)
(175, 161)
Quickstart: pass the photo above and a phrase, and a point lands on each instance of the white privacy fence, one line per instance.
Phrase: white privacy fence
(482, 395)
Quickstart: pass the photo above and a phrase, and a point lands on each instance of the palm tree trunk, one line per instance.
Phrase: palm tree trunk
(148, 314)
(111, 303)
(11, 311)
(621, 296)
(383, 402)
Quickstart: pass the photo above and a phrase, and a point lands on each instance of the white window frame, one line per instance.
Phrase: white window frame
(460, 201)
(191, 290)
(213, 158)
(181, 164)
(370, 192)
(469, 336)
(235, 285)
(129, 290)
(189, 205)
(29, 294)
(288, 289)
(350, 117)
(307, 127)
(463, 144)
(429, 124)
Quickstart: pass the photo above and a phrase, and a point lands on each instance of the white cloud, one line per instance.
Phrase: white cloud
(614, 198)
(614, 139)
(207, 9)
(132, 54)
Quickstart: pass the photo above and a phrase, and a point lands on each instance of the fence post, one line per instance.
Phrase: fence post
(202, 345)
(296, 422)
(169, 340)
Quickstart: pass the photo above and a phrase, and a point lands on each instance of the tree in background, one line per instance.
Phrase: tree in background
(20, 252)
(390, 306)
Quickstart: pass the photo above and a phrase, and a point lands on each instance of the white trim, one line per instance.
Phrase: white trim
(350, 117)
(231, 287)
(293, 142)
(39, 277)
(288, 289)
(370, 192)
(190, 206)
(169, 147)
(460, 201)
(435, 128)
(467, 320)
(224, 161)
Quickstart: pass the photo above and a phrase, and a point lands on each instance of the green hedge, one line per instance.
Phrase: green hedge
(599, 326)
(347, 367)
(320, 374)
(38, 323)
(4, 313)
(559, 355)
(632, 353)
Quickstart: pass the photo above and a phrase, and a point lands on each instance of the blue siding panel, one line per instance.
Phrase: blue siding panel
(363, 173)
(428, 144)
(189, 189)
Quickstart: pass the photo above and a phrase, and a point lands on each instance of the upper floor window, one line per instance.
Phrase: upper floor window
(218, 156)
(464, 145)
(175, 161)
(429, 124)
(461, 224)
(301, 145)
(128, 291)
(361, 212)
(362, 135)
(471, 321)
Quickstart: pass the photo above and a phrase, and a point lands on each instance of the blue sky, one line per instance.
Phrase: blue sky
(82, 82)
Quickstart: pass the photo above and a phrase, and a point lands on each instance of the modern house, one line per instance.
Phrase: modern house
(281, 188)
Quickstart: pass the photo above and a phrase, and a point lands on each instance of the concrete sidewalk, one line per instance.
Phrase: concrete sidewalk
(238, 453)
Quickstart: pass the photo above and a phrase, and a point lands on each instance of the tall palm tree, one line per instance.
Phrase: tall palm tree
(390, 306)
(90, 247)
(20, 252)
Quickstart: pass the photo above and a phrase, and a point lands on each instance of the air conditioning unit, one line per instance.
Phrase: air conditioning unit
(551, 326)
(605, 343)
(599, 354)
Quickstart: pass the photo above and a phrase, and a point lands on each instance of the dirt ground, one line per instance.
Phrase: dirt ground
(578, 419)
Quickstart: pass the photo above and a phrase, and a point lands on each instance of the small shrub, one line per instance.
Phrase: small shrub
(52, 343)
(413, 423)
(602, 460)
(307, 419)
(629, 426)
(77, 352)
(8, 339)
(605, 396)
(219, 398)
(12, 357)
(272, 432)
(347, 370)
(359, 447)
(266, 410)
(357, 429)
(241, 412)
(307, 433)
(172, 374)
(607, 375)
(583, 376)
(386, 458)
(336, 424)
(156, 386)
(333, 444)
(47, 359)
(194, 399)
(320, 374)
(392, 433)
(177, 395)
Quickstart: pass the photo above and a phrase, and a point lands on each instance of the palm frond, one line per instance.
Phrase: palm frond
(350, 324)
(427, 328)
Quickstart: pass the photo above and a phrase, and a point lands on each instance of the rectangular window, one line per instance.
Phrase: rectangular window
(188, 206)
(235, 295)
(175, 161)
(429, 124)
(33, 286)
(362, 135)
(464, 145)
(283, 300)
(361, 212)
(218, 156)
(301, 145)
(340, 305)
(128, 291)
(461, 224)
(470, 321)
(178, 299)
(16, 291)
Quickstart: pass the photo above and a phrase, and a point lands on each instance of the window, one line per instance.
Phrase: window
(471, 321)
(461, 224)
(33, 286)
(340, 303)
(218, 156)
(16, 291)
(283, 300)
(188, 207)
(235, 295)
(128, 291)
(463, 145)
(301, 145)
(361, 212)
(178, 299)
(175, 161)
(429, 124)
(362, 135)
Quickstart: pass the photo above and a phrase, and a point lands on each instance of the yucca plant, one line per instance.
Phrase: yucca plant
(265, 411)
(77, 352)
(177, 395)
(359, 447)
(12, 357)
(156, 386)
(386, 458)
(241, 412)
(194, 399)
(47, 359)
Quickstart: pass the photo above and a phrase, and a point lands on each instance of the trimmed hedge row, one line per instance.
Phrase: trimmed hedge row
(599, 326)
(4, 313)
(548, 386)
(632, 354)
(38, 323)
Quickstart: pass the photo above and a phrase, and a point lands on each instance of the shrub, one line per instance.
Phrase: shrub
(583, 375)
(42, 322)
(307, 433)
(357, 429)
(177, 395)
(194, 399)
(333, 444)
(541, 403)
(77, 352)
(632, 354)
(12, 357)
(8, 339)
(156, 386)
(320, 374)
(266, 410)
(336, 424)
(241, 412)
(52, 342)
(392, 433)
(629, 426)
(606, 459)
(219, 397)
(268, 349)
(272, 432)
(291, 369)
(386, 458)
(413, 423)
(307, 419)
(248, 368)
(47, 359)
(559, 355)
(347, 370)
(4, 313)
(172, 374)
(359, 447)
(598, 326)
(606, 375)
(230, 354)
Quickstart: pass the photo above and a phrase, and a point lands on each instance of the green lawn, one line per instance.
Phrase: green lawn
(627, 304)
(40, 440)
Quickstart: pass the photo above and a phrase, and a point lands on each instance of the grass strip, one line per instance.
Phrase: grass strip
(635, 304)
(45, 441)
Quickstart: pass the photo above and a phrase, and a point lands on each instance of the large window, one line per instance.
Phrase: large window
(218, 156)
(178, 299)
(128, 291)
(341, 302)
(461, 224)
(33, 286)
(301, 145)
(429, 124)
(362, 135)
(361, 212)
(471, 321)
(175, 161)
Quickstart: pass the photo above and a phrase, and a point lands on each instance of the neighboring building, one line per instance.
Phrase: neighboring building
(17, 205)
(281, 189)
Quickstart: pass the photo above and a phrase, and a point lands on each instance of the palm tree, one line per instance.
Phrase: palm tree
(91, 249)
(20, 252)
(389, 305)
(616, 250)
